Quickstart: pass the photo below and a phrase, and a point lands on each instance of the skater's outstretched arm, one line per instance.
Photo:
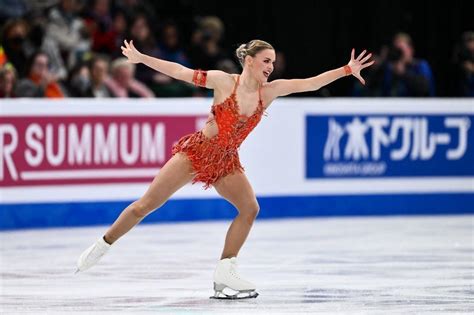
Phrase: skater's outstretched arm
(284, 87)
(172, 69)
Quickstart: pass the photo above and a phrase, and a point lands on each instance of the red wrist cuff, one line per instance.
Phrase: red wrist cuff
(347, 70)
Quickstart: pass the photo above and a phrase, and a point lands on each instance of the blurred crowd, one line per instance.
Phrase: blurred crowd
(398, 72)
(71, 48)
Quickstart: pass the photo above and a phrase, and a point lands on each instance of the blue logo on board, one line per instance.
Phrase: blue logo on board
(388, 145)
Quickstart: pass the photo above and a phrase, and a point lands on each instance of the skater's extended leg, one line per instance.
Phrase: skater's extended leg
(173, 175)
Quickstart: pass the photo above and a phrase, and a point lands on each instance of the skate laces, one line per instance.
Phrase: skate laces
(97, 251)
(233, 268)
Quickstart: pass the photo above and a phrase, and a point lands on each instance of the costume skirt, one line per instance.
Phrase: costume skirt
(210, 159)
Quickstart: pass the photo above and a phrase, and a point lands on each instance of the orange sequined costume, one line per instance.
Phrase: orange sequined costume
(218, 156)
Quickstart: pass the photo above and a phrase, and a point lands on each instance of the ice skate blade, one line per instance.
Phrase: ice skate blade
(223, 296)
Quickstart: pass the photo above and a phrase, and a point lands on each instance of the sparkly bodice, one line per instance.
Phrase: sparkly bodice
(216, 157)
(234, 127)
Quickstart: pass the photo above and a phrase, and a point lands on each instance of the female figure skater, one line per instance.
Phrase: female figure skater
(210, 155)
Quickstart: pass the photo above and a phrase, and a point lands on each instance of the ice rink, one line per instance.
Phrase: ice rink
(351, 265)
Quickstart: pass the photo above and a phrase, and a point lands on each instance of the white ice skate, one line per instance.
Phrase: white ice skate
(228, 284)
(92, 255)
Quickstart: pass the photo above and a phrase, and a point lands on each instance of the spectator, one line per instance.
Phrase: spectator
(14, 36)
(464, 63)
(79, 81)
(67, 29)
(37, 41)
(206, 52)
(119, 27)
(3, 56)
(40, 82)
(107, 31)
(134, 7)
(7, 81)
(170, 50)
(103, 27)
(122, 82)
(403, 74)
(373, 75)
(170, 47)
(144, 41)
(99, 68)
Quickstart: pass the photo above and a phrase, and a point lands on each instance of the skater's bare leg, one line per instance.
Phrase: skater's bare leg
(172, 176)
(236, 189)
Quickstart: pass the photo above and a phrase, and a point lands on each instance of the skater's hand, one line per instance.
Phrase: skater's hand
(360, 63)
(129, 51)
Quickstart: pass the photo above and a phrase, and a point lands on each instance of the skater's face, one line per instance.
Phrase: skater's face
(261, 65)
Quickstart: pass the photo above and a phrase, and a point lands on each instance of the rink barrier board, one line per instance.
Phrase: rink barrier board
(21, 216)
(333, 157)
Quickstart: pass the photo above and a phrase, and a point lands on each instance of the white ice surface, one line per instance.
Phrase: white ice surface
(352, 265)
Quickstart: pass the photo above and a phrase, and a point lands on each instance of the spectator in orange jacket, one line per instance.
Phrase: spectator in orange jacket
(40, 82)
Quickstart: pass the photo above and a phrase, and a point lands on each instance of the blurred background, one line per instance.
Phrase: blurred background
(368, 190)
(72, 47)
